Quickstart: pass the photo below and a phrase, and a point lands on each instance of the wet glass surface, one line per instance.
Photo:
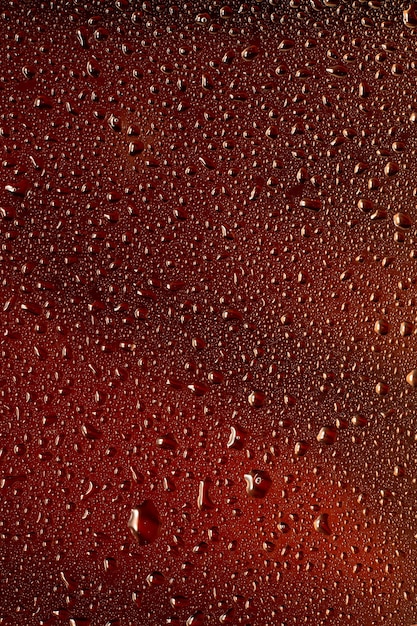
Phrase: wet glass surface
(209, 352)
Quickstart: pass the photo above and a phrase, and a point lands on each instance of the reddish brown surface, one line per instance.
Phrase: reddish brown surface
(207, 221)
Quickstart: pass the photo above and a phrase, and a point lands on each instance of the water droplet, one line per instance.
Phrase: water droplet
(410, 16)
(391, 169)
(91, 432)
(258, 483)
(312, 204)
(196, 619)
(203, 268)
(321, 524)
(20, 188)
(412, 378)
(204, 501)
(250, 53)
(381, 327)
(257, 399)
(237, 438)
(43, 102)
(179, 602)
(155, 579)
(403, 221)
(338, 70)
(327, 435)
(167, 442)
(301, 448)
(145, 523)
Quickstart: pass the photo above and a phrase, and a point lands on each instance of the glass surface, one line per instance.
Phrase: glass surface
(208, 296)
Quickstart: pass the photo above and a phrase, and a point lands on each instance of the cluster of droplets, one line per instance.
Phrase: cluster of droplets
(209, 357)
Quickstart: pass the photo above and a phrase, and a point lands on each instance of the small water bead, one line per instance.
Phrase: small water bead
(101, 34)
(31, 307)
(364, 90)
(228, 617)
(43, 102)
(215, 377)
(339, 70)
(110, 564)
(115, 122)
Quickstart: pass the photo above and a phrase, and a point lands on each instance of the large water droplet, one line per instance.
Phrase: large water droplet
(258, 483)
(145, 523)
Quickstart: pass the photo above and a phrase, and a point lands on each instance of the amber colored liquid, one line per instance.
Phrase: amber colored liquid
(207, 228)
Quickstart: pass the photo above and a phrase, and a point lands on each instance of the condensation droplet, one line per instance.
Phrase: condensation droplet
(145, 523)
(321, 524)
(327, 435)
(258, 483)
